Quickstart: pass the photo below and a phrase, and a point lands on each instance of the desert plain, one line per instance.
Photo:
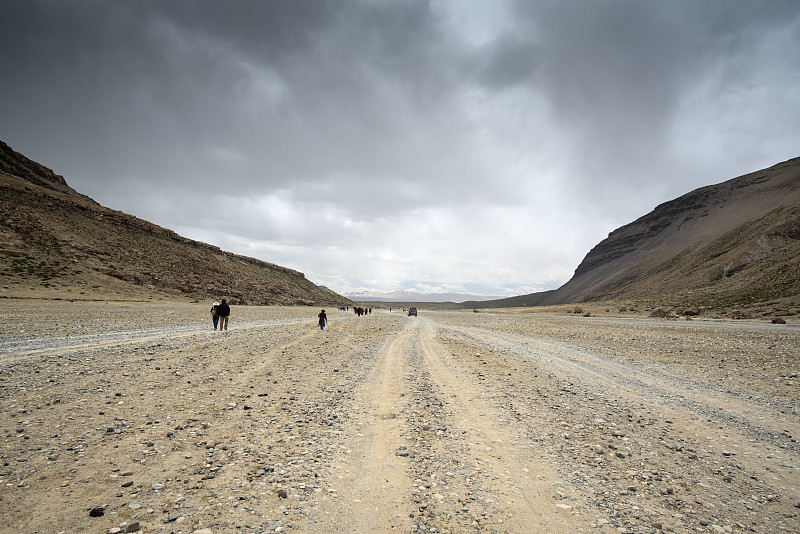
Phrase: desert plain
(139, 417)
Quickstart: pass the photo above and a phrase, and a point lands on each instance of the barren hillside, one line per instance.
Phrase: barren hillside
(727, 245)
(735, 242)
(57, 243)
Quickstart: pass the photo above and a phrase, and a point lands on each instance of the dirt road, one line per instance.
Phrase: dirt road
(446, 422)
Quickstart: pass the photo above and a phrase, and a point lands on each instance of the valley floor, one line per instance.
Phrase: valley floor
(451, 421)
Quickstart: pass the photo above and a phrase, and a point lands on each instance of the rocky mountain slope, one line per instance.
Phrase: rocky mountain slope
(57, 243)
(731, 244)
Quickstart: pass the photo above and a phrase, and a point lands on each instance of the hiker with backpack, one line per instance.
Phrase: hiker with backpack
(214, 314)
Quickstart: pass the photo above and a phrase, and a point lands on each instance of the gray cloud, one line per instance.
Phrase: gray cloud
(446, 144)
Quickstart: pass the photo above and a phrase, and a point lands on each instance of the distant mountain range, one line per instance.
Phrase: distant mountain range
(730, 244)
(58, 243)
(410, 296)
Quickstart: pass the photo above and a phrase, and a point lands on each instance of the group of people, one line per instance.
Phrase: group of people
(220, 314)
(221, 311)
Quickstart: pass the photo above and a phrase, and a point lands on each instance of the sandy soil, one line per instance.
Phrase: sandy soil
(451, 421)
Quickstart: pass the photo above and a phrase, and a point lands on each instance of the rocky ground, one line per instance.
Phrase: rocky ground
(124, 416)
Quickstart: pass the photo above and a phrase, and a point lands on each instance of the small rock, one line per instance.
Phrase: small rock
(132, 527)
(158, 487)
(282, 494)
(97, 511)
(127, 484)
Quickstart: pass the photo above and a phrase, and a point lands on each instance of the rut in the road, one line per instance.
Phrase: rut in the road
(501, 481)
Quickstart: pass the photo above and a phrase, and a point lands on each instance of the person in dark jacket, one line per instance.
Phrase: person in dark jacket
(323, 320)
(224, 311)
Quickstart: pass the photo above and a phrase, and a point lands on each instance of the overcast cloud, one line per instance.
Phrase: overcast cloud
(469, 146)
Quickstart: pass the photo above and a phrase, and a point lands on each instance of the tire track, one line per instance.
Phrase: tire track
(520, 482)
(374, 480)
(676, 393)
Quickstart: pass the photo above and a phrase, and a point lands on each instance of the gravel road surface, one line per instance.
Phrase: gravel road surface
(125, 416)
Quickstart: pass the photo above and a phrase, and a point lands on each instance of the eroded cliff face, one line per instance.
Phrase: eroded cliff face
(676, 247)
(16, 164)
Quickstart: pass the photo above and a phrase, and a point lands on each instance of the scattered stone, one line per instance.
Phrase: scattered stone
(282, 494)
(97, 511)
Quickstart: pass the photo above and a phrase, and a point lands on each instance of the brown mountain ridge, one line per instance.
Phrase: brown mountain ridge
(58, 243)
(732, 244)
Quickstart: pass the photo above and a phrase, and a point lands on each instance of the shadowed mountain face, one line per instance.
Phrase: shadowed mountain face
(733, 243)
(57, 243)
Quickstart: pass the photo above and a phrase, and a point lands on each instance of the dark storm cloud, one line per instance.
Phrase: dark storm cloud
(324, 90)
(440, 140)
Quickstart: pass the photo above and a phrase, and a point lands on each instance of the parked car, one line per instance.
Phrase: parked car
(412, 311)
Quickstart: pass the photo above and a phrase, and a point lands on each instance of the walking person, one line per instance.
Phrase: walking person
(224, 311)
(214, 314)
(323, 320)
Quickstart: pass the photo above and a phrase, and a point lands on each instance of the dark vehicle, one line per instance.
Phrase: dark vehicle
(412, 311)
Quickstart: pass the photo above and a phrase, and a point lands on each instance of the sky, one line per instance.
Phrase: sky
(468, 146)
